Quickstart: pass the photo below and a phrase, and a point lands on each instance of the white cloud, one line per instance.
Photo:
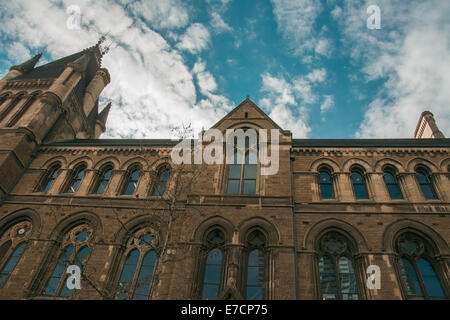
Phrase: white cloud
(152, 88)
(411, 51)
(289, 103)
(296, 21)
(218, 24)
(165, 14)
(196, 39)
(327, 104)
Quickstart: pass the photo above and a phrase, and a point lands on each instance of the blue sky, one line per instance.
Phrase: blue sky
(312, 65)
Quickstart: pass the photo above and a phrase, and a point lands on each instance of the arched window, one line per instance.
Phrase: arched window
(3, 98)
(336, 268)
(12, 105)
(49, 178)
(137, 272)
(391, 182)
(359, 184)
(76, 178)
(326, 184)
(13, 243)
(131, 181)
(256, 266)
(416, 267)
(213, 265)
(74, 250)
(22, 110)
(159, 188)
(103, 179)
(424, 179)
(242, 175)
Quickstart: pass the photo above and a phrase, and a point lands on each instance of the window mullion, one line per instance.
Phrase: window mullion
(338, 277)
(419, 277)
(136, 275)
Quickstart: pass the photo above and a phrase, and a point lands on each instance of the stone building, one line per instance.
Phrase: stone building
(141, 227)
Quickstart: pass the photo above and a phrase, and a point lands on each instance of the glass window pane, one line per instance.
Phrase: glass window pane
(324, 177)
(326, 191)
(250, 171)
(328, 280)
(126, 278)
(409, 279)
(233, 187)
(422, 177)
(213, 271)
(234, 171)
(394, 191)
(431, 281)
(59, 271)
(428, 191)
(249, 187)
(389, 178)
(349, 289)
(360, 191)
(9, 266)
(144, 280)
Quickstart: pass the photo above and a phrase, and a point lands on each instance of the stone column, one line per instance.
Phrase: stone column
(94, 88)
(142, 188)
(409, 184)
(345, 186)
(441, 183)
(376, 183)
(87, 181)
(115, 183)
(60, 181)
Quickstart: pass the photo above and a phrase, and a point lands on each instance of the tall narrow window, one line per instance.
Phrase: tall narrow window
(74, 250)
(137, 272)
(49, 178)
(392, 184)
(336, 269)
(326, 184)
(242, 172)
(76, 178)
(256, 266)
(417, 272)
(12, 105)
(16, 117)
(213, 265)
(13, 244)
(131, 182)
(359, 184)
(424, 179)
(103, 179)
(3, 99)
(160, 185)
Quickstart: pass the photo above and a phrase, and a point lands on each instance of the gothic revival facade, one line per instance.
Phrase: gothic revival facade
(140, 227)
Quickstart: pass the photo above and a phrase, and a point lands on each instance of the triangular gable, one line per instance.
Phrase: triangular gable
(254, 115)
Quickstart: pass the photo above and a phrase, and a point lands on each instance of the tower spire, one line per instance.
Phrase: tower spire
(28, 65)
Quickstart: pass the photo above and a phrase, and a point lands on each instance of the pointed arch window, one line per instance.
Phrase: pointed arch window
(49, 178)
(136, 277)
(326, 184)
(256, 266)
(359, 184)
(160, 185)
(12, 105)
(417, 268)
(131, 181)
(424, 179)
(392, 185)
(103, 179)
(213, 265)
(74, 250)
(13, 244)
(336, 269)
(76, 178)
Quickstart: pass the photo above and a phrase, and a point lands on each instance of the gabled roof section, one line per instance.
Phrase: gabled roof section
(28, 65)
(247, 111)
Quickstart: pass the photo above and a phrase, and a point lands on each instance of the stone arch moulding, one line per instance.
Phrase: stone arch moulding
(80, 160)
(445, 165)
(413, 163)
(348, 164)
(18, 216)
(143, 164)
(115, 162)
(48, 163)
(137, 223)
(75, 219)
(380, 164)
(259, 223)
(312, 236)
(209, 224)
(316, 164)
(392, 230)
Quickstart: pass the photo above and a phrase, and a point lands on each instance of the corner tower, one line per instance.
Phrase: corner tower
(53, 102)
